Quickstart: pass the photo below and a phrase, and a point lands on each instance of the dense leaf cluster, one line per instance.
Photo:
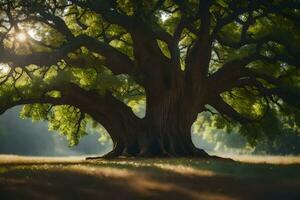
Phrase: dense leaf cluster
(242, 56)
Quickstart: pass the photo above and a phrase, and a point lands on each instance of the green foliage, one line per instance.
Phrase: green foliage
(69, 121)
(88, 69)
(273, 135)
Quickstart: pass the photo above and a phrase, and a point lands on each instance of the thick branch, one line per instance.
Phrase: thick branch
(144, 38)
(231, 17)
(103, 108)
(222, 107)
(197, 59)
(42, 100)
(108, 11)
(230, 73)
(114, 60)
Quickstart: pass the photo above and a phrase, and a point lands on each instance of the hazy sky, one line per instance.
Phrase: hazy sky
(19, 136)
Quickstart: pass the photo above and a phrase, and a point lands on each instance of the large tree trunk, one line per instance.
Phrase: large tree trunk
(166, 128)
(158, 137)
(164, 132)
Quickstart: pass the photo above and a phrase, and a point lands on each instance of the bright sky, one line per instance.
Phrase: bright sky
(21, 37)
(25, 34)
(4, 68)
(164, 16)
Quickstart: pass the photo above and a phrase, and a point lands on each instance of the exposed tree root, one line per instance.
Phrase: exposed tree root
(94, 158)
(197, 154)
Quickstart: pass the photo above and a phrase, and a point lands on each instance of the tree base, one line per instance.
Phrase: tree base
(198, 154)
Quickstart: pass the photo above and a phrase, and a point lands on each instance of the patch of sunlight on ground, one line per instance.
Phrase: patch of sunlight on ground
(103, 171)
(185, 170)
(270, 159)
(247, 165)
(11, 159)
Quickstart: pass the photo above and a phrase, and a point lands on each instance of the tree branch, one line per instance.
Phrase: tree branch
(222, 107)
(197, 59)
(114, 59)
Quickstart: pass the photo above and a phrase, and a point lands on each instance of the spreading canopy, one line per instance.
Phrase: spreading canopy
(237, 59)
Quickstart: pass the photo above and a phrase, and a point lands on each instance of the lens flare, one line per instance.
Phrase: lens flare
(4, 68)
(21, 37)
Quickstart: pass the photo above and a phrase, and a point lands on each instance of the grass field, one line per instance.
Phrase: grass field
(251, 177)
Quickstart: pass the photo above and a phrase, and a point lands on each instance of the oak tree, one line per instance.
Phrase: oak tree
(75, 61)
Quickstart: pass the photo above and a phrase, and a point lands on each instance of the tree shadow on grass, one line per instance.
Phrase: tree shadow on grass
(64, 184)
(230, 179)
(150, 179)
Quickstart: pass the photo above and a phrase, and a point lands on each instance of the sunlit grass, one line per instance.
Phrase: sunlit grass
(14, 159)
(267, 159)
(176, 178)
(273, 166)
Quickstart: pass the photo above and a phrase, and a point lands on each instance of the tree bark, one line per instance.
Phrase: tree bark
(164, 132)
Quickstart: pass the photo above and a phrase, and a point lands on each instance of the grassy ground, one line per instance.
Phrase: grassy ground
(75, 178)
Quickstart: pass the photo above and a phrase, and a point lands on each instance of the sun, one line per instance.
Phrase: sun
(4, 68)
(21, 37)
